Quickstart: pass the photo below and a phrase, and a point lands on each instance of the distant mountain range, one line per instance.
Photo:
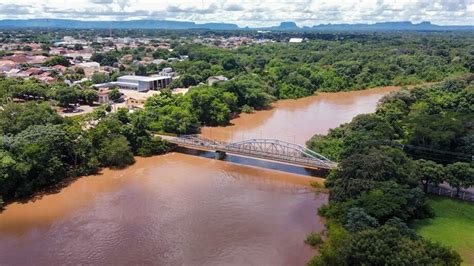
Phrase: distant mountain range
(184, 25)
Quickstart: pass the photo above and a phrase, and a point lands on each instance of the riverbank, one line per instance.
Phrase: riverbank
(177, 208)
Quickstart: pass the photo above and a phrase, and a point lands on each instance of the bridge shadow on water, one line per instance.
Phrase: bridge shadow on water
(293, 169)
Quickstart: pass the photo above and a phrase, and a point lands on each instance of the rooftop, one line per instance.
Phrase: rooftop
(143, 78)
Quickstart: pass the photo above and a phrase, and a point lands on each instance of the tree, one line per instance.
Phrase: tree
(11, 174)
(66, 96)
(115, 94)
(152, 146)
(57, 60)
(290, 91)
(358, 220)
(89, 96)
(174, 119)
(105, 59)
(313, 239)
(78, 47)
(454, 85)
(188, 80)
(99, 77)
(212, 106)
(141, 70)
(250, 90)
(330, 147)
(333, 250)
(45, 47)
(429, 173)
(460, 175)
(80, 71)
(386, 245)
(15, 118)
(43, 153)
(115, 152)
(229, 63)
(389, 199)
(381, 164)
(160, 54)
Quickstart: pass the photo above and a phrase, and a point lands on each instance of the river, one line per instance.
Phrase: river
(179, 209)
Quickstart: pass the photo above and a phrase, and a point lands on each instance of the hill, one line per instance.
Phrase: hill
(188, 25)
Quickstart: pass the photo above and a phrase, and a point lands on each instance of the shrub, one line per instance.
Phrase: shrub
(247, 109)
(314, 239)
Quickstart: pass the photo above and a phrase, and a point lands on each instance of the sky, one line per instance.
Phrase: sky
(248, 12)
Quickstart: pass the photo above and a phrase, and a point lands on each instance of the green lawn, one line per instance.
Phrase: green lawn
(453, 226)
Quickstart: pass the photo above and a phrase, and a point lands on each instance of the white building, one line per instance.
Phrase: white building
(296, 40)
(139, 83)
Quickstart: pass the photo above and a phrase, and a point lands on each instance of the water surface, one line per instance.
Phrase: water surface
(180, 209)
(298, 120)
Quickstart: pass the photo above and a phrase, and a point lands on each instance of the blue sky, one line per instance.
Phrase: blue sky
(248, 12)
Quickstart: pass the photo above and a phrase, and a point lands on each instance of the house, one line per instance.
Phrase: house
(7, 65)
(167, 72)
(103, 96)
(12, 72)
(20, 74)
(89, 68)
(159, 61)
(37, 60)
(213, 79)
(46, 79)
(180, 90)
(133, 103)
(138, 83)
(35, 71)
(59, 68)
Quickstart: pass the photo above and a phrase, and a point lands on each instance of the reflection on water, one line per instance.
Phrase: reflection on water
(261, 163)
(180, 209)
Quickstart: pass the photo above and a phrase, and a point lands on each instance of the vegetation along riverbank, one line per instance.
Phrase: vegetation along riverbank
(384, 170)
(39, 148)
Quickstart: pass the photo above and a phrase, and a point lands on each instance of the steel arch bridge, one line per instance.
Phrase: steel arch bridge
(269, 149)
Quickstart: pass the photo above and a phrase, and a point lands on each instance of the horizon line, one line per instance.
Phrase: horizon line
(240, 26)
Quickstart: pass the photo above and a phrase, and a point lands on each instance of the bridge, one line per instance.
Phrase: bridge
(267, 149)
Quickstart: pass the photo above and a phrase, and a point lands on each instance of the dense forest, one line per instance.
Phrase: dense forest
(292, 71)
(387, 160)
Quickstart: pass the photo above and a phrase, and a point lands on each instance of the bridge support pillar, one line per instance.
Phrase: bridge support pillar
(220, 155)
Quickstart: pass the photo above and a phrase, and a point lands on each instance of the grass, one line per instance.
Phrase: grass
(453, 226)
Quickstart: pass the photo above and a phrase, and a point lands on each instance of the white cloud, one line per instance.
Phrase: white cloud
(248, 12)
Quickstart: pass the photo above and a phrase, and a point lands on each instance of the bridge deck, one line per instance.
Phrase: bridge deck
(255, 149)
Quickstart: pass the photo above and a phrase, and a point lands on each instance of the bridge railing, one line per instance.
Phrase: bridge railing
(303, 158)
(284, 158)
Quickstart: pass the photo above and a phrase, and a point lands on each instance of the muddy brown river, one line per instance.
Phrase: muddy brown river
(180, 209)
